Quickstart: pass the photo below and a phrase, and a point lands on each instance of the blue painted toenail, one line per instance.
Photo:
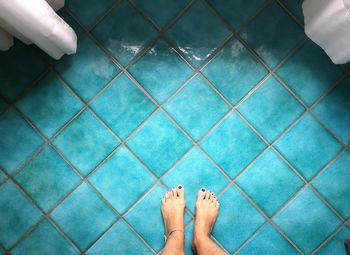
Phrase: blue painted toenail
(179, 187)
(203, 189)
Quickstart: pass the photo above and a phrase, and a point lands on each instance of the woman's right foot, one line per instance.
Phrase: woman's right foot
(207, 209)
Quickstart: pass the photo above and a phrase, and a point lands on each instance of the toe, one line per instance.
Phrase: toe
(173, 192)
(201, 193)
(180, 191)
(167, 195)
(207, 195)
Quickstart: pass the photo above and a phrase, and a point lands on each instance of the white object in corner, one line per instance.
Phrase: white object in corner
(327, 23)
(34, 21)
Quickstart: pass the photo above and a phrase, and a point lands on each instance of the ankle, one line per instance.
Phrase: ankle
(199, 240)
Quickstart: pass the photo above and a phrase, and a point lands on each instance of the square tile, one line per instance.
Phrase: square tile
(307, 221)
(334, 110)
(89, 11)
(18, 214)
(233, 137)
(19, 69)
(149, 223)
(83, 216)
(198, 33)
(334, 184)
(193, 172)
(159, 143)
(171, 69)
(124, 32)
(86, 142)
(45, 239)
(270, 182)
(197, 107)
(336, 244)
(268, 241)
(236, 12)
(162, 12)
(49, 105)
(309, 72)
(234, 71)
(123, 106)
(120, 239)
(42, 178)
(271, 109)
(273, 34)
(124, 175)
(295, 7)
(18, 140)
(237, 221)
(308, 146)
(87, 71)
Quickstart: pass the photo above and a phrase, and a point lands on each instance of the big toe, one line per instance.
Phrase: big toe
(201, 194)
(180, 191)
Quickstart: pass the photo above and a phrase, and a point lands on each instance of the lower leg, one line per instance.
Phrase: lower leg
(173, 206)
(207, 209)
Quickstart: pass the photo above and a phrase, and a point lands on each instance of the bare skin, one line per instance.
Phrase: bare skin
(207, 208)
(173, 207)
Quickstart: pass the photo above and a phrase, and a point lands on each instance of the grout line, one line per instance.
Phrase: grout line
(324, 242)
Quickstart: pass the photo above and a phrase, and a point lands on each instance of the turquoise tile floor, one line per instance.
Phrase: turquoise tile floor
(205, 93)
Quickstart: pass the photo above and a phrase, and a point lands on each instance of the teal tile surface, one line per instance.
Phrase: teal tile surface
(295, 7)
(17, 214)
(12, 130)
(120, 239)
(270, 182)
(88, 11)
(169, 10)
(308, 146)
(79, 213)
(88, 71)
(273, 34)
(124, 32)
(19, 69)
(166, 97)
(336, 244)
(268, 241)
(151, 229)
(236, 12)
(42, 178)
(321, 221)
(233, 137)
(334, 110)
(271, 109)
(309, 72)
(193, 172)
(123, 106)
(197, 107)
(159, 143)
(234, 71)
(3, 105)
(54, 243)
(237, 221)
(338, 195)
(50, 105)
(124, 175)
(172, 71)
(86, 142)
(198, 33)
(79, 31)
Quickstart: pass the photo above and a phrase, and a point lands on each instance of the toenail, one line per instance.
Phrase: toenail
(179, 187)
(203, 189)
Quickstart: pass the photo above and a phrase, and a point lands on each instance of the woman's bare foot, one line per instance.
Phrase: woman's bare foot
(207, 209)
(173, 207)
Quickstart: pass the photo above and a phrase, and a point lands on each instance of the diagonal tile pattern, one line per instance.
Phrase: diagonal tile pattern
(146, 78)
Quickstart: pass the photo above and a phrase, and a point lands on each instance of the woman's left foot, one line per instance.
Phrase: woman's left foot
(173, 207)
